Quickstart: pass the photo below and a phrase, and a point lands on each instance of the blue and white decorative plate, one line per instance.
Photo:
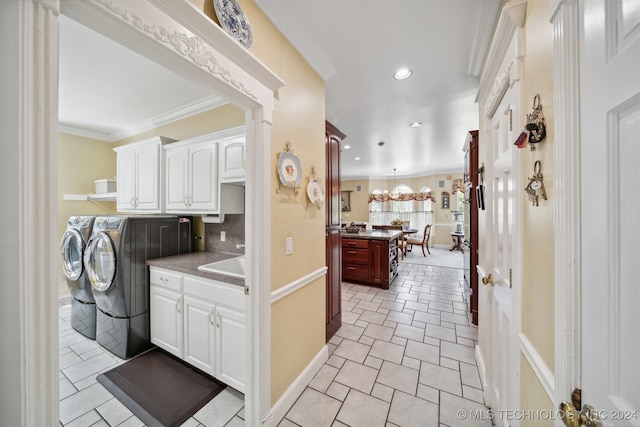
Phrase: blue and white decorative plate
(234, 21)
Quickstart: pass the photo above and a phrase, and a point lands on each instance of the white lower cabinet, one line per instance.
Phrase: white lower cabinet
(204, 324)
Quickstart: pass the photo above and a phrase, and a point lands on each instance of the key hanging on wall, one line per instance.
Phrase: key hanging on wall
(535, 188)
(535, 130)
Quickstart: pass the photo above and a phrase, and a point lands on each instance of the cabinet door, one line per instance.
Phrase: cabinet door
(177, 170)
(200, 329)
(126, 180)
(166, 319)
(378, 262)
(230, 343)
(203, 178)
(232, 160)
(147, 178)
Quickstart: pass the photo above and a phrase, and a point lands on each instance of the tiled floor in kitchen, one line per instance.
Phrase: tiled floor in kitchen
(403, 357)
(85, 402)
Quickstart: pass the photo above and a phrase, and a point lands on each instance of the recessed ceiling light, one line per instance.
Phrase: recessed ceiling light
(357, 158)
(346, 147)
(381, 143)
(402, 73)
(415, 125)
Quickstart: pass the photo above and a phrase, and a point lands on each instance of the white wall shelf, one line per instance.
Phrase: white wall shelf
(103, 197)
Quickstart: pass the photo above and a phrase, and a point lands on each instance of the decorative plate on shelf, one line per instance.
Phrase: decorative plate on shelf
(315, 192)
(289, 170)
(234, 21)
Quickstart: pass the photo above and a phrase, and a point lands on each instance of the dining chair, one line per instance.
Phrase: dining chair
(422, 241)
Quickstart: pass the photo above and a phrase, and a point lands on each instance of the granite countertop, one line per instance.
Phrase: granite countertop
(189, 263)
(373, 235)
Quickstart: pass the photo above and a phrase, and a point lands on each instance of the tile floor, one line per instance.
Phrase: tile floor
(403, 357)
(85, 402)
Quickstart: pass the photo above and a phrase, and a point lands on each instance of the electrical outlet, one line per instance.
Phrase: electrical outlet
(288, 245)
(223, 236)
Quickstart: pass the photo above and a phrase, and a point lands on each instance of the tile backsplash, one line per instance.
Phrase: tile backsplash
(233, 227)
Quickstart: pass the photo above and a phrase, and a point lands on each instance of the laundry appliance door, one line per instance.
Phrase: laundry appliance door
(100, 262)
(72, 249)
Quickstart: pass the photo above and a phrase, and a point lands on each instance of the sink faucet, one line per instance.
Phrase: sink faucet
(240, 245)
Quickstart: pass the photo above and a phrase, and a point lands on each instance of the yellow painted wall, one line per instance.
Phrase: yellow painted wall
(535, 401)
(298, 321)
(538, 222)
(81, 161)
(359, 201)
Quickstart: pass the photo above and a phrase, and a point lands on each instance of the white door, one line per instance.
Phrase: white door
(610, 155)
(147, 176)
(177, 181)
(232, 159)
(203, 177)
(231, 347)
(166, 319)
(501, 183)
(199, 335)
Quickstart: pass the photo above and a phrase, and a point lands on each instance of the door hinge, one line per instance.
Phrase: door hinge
(246, 290)
(510, 120)
(510, 278)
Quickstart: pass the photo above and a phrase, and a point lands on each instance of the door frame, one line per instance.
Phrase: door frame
(212, 58)
(564, 15)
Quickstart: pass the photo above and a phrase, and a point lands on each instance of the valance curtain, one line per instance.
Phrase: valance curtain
(402, 197)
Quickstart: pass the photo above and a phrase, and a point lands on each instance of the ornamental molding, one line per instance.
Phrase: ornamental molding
(190, 47)
(500, 87)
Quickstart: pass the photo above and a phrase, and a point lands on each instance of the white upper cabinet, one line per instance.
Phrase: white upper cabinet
(139, 171)
(192, 176)
(233, 160)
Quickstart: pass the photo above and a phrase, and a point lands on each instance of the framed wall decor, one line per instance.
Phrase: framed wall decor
(445, 200)
(345, 201)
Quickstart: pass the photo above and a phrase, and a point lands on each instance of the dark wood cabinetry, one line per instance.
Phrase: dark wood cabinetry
(471, 169)
(371, 262)
(333, 137)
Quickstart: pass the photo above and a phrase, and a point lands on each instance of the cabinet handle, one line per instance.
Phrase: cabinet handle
(351, 243)
(178, 305)
(352, 252)
(211, 317)
(186, 201)
(217, 319)
(190, 200)
(133, 202)
(351, 268)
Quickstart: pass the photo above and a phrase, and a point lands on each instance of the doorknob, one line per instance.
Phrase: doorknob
(588, 416)
(488, 279)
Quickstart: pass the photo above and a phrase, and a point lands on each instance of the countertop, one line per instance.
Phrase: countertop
(188, 264)
(373, 235)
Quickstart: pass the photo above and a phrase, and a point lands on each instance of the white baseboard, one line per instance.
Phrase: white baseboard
(286, 401)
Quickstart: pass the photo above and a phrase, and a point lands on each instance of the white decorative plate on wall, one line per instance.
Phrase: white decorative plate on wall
(289, 170)
(234, 21)
(315, 192)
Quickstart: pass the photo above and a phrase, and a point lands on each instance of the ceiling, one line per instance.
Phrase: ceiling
(111, 92)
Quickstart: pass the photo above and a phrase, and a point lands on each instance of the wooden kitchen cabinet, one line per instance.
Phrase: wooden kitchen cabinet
(192, 176)
(370, 258)
(139, 175)
(333, 289)
(471, 234)
(201, 321)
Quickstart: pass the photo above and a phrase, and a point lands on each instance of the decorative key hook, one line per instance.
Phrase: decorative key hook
(535, 188)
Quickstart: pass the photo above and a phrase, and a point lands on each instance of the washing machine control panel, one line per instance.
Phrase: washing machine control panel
(107, 223)
(80, 221)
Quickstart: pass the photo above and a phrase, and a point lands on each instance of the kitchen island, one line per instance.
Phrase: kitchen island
(370, 257)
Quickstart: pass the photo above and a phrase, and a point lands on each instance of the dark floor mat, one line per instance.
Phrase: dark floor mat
(159, 388)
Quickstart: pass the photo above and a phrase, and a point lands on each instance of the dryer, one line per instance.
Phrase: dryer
(72, 248)
(116, 264)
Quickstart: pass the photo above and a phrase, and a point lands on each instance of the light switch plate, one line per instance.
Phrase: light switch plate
(223, 236)
(288, 244)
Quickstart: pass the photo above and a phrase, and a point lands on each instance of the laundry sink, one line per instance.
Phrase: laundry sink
(232, 267)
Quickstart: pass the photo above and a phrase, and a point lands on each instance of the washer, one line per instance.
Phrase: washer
(116, 264)
(72, 248)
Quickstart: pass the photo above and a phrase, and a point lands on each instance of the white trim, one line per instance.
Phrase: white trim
(196, 107)
(540, 368)
(296, 388)
(511, 18)
(299, 283)
(567, 223)
(482, 37)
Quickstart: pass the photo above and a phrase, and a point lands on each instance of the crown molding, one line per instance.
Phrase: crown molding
(197, 107)
(512, 18)
(482, 36)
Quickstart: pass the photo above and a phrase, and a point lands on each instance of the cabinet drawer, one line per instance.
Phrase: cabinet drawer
(165, 278)
(355, 272)
(214, 291)
(355, 243)
(355, 256)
